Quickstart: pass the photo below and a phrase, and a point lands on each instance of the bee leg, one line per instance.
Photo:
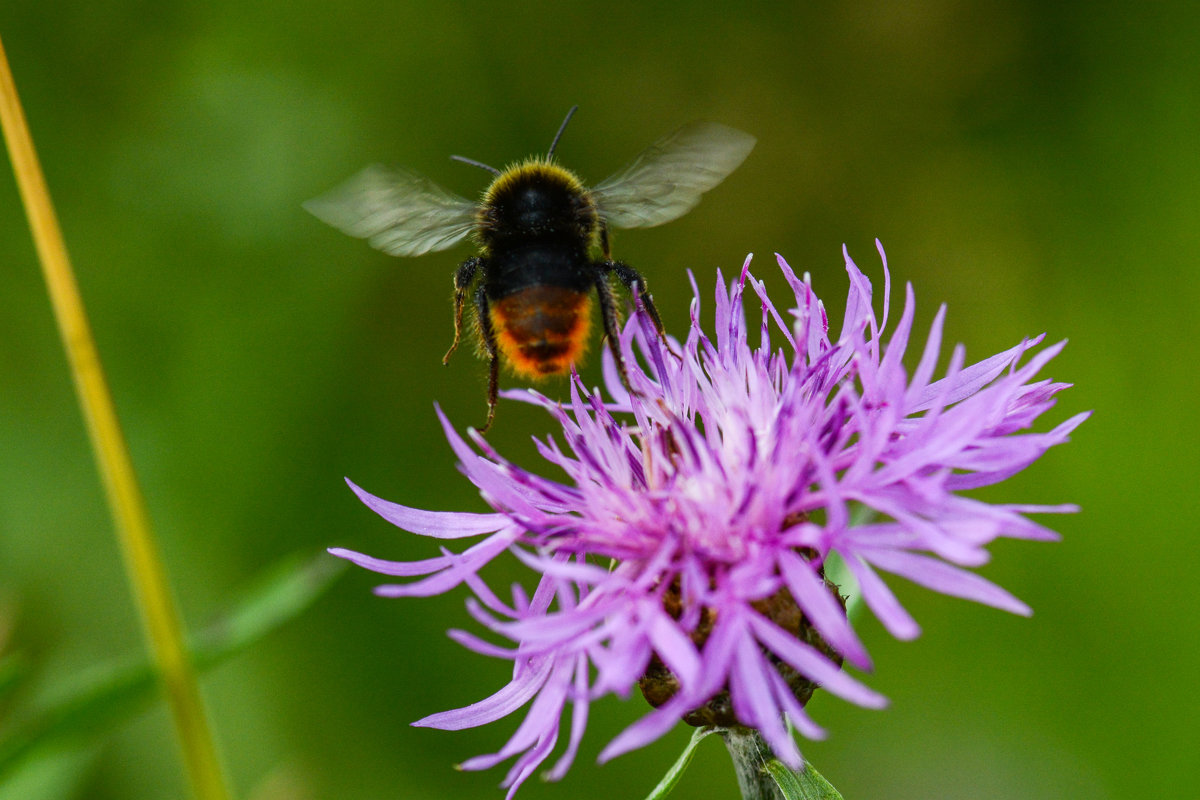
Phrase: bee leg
(488, 335)
(462, 282)
(605, 249)
(632, 278)
(612, 325)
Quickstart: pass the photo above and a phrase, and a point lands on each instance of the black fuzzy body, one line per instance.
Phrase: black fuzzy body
(537, 226)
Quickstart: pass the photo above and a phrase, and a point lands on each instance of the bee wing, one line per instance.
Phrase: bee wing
(396, 211)
(666, 180)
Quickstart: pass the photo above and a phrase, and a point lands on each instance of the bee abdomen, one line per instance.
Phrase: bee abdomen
(542, 330)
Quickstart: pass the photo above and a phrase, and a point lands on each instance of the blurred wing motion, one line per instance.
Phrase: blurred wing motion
(396, 211)
(666, 180)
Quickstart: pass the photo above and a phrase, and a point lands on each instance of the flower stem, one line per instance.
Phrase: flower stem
(143, 564)
(750, 755)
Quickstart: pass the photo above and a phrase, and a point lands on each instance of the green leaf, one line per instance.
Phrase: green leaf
(673, 775)
(115, 692)
(277, 595)
(805, 785)
(51, 775)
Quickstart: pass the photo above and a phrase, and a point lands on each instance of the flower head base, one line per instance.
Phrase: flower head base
(685, 550)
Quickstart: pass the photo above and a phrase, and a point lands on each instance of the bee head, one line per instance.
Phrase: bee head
(536, 200)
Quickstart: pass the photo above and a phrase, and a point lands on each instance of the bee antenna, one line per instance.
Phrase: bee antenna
(561, 128)
(475, 163)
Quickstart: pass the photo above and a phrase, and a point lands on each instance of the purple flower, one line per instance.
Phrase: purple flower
(685, 550)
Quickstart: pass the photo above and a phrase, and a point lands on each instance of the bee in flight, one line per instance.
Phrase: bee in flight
(538, 229)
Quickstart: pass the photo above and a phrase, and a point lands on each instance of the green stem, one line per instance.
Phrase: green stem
(750, 755)
(143, 564)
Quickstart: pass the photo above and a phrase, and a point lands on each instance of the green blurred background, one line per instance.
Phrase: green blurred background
(1033, 165)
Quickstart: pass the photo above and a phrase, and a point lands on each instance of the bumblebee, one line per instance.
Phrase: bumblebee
(538, 229)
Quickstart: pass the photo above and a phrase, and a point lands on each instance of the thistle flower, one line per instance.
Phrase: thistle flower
(685, 551)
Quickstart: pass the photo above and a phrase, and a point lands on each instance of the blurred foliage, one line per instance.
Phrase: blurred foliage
(1032, 165)
(90, 705)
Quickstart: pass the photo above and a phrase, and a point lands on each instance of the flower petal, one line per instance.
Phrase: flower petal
(438, 524)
